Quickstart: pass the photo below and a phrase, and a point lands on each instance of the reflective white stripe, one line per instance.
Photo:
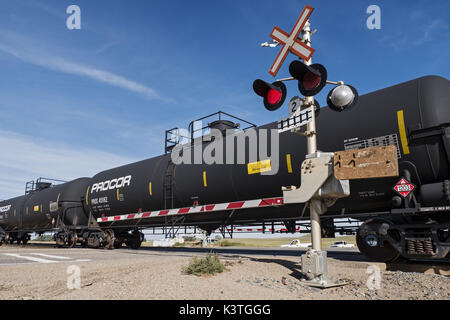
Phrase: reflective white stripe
(50, 256)
(198, 209)
(30, 258)
(280, 59)
(300, 22)
(301, 49)
(251, 203)
(220, 206)
(281, 36)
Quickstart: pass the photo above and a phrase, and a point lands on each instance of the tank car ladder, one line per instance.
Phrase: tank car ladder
(168, 185)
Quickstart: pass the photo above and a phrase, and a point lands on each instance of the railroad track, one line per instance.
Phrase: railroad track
(427, 267)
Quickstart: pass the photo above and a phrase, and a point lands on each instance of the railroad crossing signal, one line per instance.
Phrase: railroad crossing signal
(290, 42)
(311, 79)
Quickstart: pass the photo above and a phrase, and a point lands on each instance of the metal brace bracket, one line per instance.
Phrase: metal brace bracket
(317, 181)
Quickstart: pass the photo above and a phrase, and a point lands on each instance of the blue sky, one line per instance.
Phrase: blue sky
(75, 102)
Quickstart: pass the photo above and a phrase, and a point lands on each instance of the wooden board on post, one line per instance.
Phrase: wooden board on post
(377, 162)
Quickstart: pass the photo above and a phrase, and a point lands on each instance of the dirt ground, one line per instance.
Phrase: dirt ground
(252, 278)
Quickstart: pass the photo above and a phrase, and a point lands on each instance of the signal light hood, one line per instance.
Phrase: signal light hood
(311, 79)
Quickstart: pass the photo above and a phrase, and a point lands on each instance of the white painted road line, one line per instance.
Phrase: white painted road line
(51, 256)
(40, 260)
(15, 264)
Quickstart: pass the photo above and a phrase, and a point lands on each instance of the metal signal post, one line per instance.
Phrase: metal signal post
(318, 188)
(316, 236)
(314, 263)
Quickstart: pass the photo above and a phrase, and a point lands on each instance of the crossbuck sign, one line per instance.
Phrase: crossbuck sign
(291, 42)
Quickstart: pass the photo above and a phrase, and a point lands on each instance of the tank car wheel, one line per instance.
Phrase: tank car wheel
(5, 239)
(109, 239)
(136, 241)
(135, 245)
(59, 240)
(93, 241)
(118, 244)
(25, 239)
(72, 239)
(59, 243)
(369, 243)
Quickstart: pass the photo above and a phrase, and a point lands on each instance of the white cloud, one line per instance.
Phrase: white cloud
(24, 158)
(32, 55)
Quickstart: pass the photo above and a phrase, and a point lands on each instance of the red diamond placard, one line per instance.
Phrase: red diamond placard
(404, 187)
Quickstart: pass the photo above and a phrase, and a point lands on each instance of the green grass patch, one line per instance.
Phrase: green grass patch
(209, 265)
(179, 245)
(228, 243)
(276, 242)
(44, 238)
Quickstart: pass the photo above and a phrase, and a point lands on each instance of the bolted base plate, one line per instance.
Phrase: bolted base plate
(323, 283)
(315, 269)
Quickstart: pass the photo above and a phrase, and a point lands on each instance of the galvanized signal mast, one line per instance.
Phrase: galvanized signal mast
(319, 188)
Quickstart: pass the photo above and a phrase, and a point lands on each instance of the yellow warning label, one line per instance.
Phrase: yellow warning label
(36, 208)
(260, 166)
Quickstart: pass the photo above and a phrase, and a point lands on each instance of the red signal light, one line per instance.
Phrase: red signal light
(274, 94)
(311, 79)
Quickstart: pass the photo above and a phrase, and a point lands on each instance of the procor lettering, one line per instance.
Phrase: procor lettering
(111, 184)
(5, 208)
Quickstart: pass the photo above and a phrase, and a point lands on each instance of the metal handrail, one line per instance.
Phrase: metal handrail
(170, 142)
(220, 113)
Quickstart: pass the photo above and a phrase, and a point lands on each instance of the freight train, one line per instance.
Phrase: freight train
(111, 208)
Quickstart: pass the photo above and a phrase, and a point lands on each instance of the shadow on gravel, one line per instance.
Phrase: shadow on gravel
(339, 255)
(294, 267)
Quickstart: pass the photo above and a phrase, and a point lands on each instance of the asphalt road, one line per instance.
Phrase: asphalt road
(48, 254)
